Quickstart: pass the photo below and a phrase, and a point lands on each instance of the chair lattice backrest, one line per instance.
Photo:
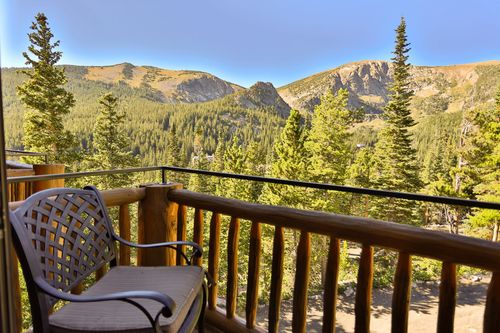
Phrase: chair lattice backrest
(69, 233)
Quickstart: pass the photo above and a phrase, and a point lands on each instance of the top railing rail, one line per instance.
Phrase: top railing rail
(278, 181)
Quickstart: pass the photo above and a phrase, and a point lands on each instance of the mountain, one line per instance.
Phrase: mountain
(171, 86)
(261, 95)
(437, 89)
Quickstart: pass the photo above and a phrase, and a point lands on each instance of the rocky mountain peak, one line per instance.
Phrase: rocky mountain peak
(263, 94)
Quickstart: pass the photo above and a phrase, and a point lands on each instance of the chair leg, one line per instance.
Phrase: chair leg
(201, 319)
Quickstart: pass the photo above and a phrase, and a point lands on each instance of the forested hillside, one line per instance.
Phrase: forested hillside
(148, 117)
(154, 99)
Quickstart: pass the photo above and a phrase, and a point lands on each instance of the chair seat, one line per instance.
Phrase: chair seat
(182, 283)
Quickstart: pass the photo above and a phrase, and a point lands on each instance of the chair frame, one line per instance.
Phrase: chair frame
(43, 295)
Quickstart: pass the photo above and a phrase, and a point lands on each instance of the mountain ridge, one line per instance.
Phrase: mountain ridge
(450, 88)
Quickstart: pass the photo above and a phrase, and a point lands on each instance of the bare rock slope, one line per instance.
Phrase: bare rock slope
(437, 89)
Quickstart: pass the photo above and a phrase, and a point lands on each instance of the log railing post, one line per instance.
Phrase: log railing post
(157, 223)
(47, 169)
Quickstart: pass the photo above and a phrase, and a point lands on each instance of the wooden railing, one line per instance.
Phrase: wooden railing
(162, 216)
(406, 240)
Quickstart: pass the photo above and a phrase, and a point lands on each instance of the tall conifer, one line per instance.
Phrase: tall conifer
(290, 162)
(328, 146)
(45, 98)
(111, 145)
(395, 160)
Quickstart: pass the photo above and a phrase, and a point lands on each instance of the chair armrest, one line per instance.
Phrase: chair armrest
(167, 302)
(198, 251)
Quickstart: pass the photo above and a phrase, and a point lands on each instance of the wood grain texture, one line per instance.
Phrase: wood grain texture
(401, 295)
(213, 259)
(447, 298)
(276, 280)
(158, 223)
(253, 275)
(124, 230)
(198, 233)
(331, 286)
(232, 266)
(181, 232)
(16, 290)
(492, 309)
(114, 197)
(403, 238)
(364, 291)
(218, 319)
(301, 284)
(48, 169)
(99, 274)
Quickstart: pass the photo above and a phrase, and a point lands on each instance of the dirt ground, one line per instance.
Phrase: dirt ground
(423, 309)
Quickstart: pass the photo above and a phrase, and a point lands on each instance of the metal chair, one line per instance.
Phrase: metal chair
(63, 235)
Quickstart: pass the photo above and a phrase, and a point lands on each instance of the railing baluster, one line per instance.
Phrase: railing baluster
(364, 290)
(402, 292)
(124, 229)
(276, 280)
(181, 232)
(232, 266)
(198, 233)
(213, 259)
(253, 275)
(98, 275)
(492, 309)
(301, 283)
(331, 281)
(16, 290)
(447, 297)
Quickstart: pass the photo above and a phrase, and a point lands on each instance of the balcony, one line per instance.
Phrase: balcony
(167, 212)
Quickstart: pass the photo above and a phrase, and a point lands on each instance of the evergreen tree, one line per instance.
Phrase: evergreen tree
(328, 142)
(485, 158)
(329, 148)
(45, 98)
(111, 145)
(198, 183)
(172, 149)
(291, 161)
(395, 166)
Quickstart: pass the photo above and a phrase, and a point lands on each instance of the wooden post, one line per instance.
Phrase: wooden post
(47, 169)
(157, 223)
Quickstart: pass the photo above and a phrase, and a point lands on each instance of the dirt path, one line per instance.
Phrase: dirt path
(423, 310)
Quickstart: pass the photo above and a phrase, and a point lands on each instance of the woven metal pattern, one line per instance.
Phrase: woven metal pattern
(70, 234)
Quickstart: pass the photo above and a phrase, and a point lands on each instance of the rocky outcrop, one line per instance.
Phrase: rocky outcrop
(437, 89)
(202, 89)
(262, 95)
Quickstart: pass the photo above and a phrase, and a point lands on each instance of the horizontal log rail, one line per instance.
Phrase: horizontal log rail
(403, 238)
(369, 233)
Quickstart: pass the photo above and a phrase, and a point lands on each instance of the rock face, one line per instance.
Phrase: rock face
(437, 89)
(262, 94)
(172, 86)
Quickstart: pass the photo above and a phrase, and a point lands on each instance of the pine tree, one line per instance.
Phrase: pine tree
(328, 146)
(111, 145)
(395, 166)
(328, 139)
(198, 183)
(485, 158)
(45, 98)
(291, 161)
(172, 149)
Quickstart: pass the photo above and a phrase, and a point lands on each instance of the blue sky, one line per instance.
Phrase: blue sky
(259, 40)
